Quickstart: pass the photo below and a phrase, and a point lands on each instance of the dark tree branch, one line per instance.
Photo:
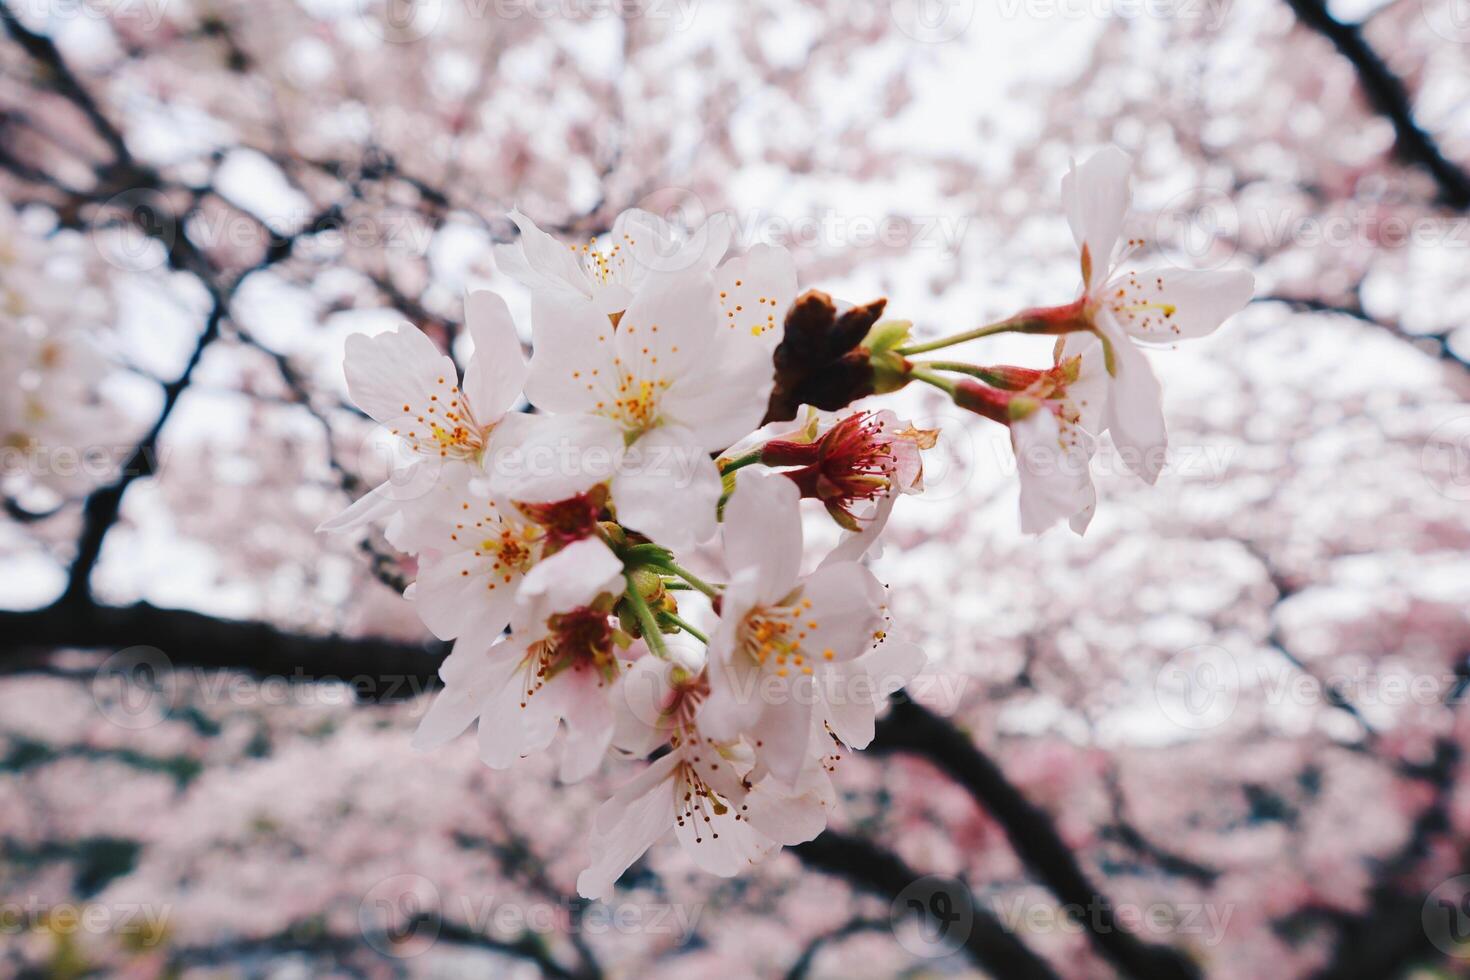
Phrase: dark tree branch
(48, 59)
(104, 504)
(873, 869)
(1389, 97)
(378, 669)
(1127, 834)
(1389, 936)
(383, 671)
(914, 729)
(803, 963)
(1438, 344)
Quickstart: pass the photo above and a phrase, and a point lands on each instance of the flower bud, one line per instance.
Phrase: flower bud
(650, 584)
(982, 399)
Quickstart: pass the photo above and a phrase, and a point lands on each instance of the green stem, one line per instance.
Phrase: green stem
(646, 622)
(644, 554)
(944, 384)
(692, 579)
(739, 462)
(985, 374)
(678, 586)
(1001, 326)
(691, 630)
(958, 367)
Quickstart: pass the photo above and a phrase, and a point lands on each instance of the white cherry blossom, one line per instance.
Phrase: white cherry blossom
(793, 656)
(444, 427)
(642, 404)
(469, 579)
(607, 274)
(700, 789)
(556, 666)
(858, 463)
(1156, 306)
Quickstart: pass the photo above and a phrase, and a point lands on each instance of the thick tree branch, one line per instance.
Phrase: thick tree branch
(379, 670)
(914, 729)
(873, 869)
(388, 671)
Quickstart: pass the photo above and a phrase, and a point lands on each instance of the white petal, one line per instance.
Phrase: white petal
(392, 375)
(1135, 414)
(1056, 480)
(785, 817)
(667, 329)
(472, 674)
(457, 594)
(1088, 395)
(659, 249)
(724, 846)
(787, 730)
(497, 367)
(377, 504)
(734, 705)
(1096, 196)
(552, 457)
(512, 725)
(573, 365)
(763, 530)
(667, 487)
(642, 695)
(863, 687)
(569, 579)
(540, 262)
(589, 723)
(755, 290)
(1163, 305)
(847, 608)
(854, 546)
(725, 398)
(628, 824)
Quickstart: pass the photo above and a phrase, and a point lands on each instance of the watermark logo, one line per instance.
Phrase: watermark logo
(401, 21)
(399, 916)
(1445, 460)
(135, 688)
(136, 231)
(932, 21)
(147, 924)
(1446, 917)
(1450, 19)
(1207, 924)
(1201, 224)
(146, 15)
(944, 911)
(1197, 688)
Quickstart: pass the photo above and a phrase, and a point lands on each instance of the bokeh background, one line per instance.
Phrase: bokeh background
(1222, 735)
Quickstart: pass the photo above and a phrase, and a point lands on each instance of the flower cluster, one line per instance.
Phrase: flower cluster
(553, 544)
(52, 412)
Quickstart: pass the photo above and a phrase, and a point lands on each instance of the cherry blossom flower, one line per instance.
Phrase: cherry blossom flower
(1154, 306)
(557, 665)
(755, 288)
(792, 655)
(857, 465)
(404, 383)
(700, 788)
(469, 580)
(607, 275)
(1052, 416)
(641, 404)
